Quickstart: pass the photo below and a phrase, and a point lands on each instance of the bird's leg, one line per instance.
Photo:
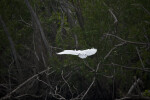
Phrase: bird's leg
(88, 65)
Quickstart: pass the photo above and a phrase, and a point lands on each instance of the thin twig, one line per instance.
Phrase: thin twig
(66, 83)
(43, 82)
(140, 58)
(9, 70)
(88, 66)
(97, 68)
(126, 41)
(133, 68)
(134, 97)
(21, 20)
(56, 95)
(76, 41)
(113, 49)
(88, 89)
(113, 95)
(142, 7)
(35, 96)
(55, 47)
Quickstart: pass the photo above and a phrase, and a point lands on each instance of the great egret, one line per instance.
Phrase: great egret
(81, 53)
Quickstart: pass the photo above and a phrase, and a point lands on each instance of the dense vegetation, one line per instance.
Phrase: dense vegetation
(32, 32)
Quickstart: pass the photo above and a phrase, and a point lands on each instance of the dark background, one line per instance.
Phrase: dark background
(33, 31)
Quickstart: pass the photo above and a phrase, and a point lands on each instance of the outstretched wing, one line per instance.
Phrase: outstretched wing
(90, 52)
(70, 52)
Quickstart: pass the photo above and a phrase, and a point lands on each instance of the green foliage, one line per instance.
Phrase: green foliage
(146, 93)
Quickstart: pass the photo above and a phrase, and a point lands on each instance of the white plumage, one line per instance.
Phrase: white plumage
(81, 53)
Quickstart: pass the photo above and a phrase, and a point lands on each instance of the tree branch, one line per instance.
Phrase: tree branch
(39, 25)
(22, 84)
(126, 41)
(88, 89)
(140, 58)
(115, 18)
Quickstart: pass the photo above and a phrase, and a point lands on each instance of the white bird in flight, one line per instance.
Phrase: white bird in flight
(81, 53)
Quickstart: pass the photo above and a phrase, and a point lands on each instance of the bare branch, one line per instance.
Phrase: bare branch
(66, 83)
(113, 49)
(56, 95)
(88, 89)
(133, 86)
(76, 40)
(43, 82)
(140, 58)
(88, 66)
(143, 8)
(97, 68)
(21, 96)
(115, 18)
(126, 41)
(22, 84)
(22, 20)
(56, 48)
(133, 68)
(134, 97)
